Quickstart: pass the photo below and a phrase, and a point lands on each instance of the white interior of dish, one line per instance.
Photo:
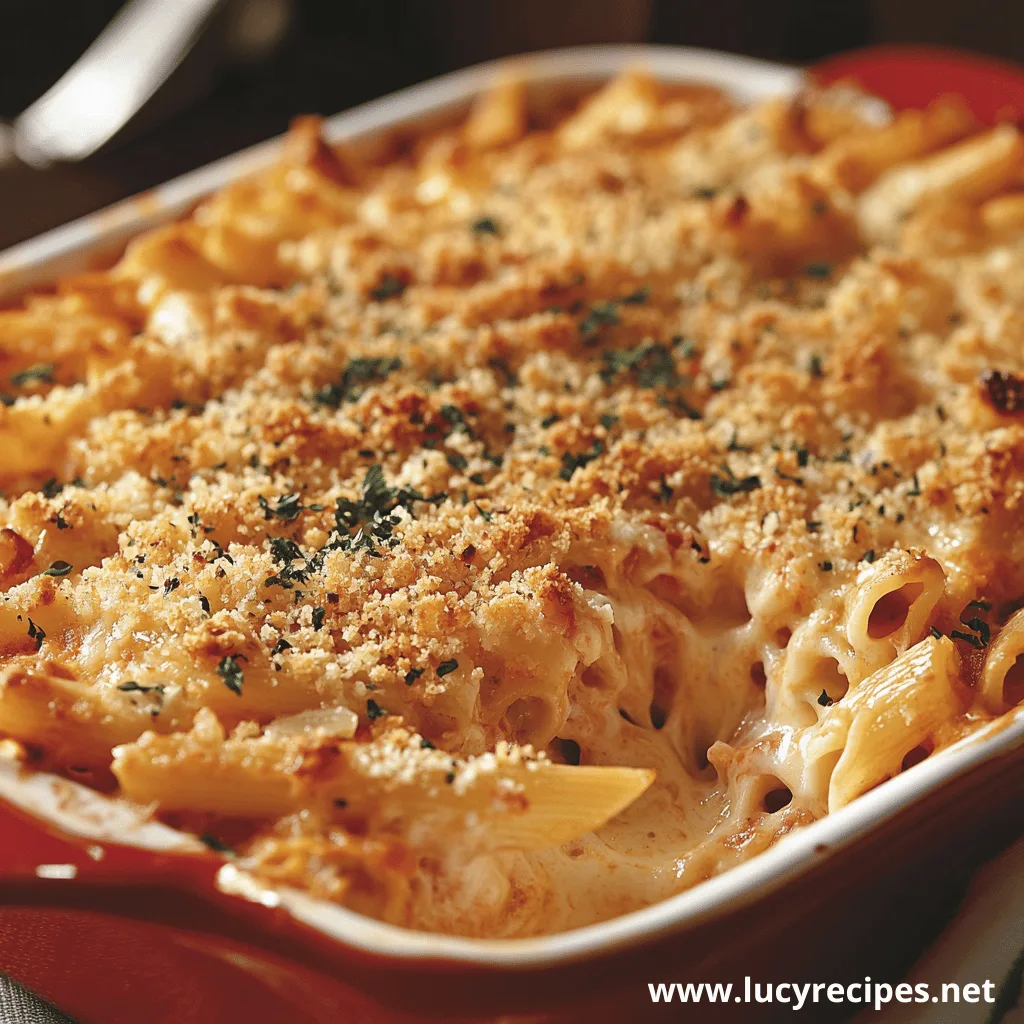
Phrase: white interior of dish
(81, 811)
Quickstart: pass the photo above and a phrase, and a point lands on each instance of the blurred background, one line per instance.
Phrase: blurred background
(257, 63)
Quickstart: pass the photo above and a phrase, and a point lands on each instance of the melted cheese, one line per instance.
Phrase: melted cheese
(614, 441)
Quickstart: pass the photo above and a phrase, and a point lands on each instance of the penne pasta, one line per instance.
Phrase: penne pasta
(498, 117)
(891, 607)
(895, 710)
(973, 171)
(1002, 678)
(515, 804)
(498, 526)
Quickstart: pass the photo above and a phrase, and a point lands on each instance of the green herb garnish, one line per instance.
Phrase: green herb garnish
(36, 633)
(231, 672)
(286, 508)
(358, 373)
(728, 485)
(571, 461)
(40, 373)
(484, 226)
(388, 287)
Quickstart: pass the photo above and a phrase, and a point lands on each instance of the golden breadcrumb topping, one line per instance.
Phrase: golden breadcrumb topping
(344, 514)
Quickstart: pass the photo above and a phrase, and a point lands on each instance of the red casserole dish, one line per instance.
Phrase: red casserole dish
(112, 932)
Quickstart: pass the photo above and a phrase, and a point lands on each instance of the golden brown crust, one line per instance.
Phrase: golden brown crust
(412, 438)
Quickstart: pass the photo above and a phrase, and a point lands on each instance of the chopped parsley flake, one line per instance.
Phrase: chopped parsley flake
(284, 550)
(355, 376)
(571, 461)
(453, 415)
(286, 508)
(649, 364)
(975, 641)
(374, 710)
(36, 633)
(728, 485)
(230, 672)
(370, 517)
(637, 298)
(41, 373)
(388, 287)
(734, 444)
(601, 314)
(976, 624)
(130, 686)
(484, 226)
(58, 568)
(214, 843)
(447, 666)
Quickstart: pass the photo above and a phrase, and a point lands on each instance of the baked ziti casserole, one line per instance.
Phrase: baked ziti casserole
(498, 529)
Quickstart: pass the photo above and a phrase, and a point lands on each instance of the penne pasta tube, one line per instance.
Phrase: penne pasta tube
(498, 117)
(45, 710)
(1002, 678)
(891, 606)
(971, 171)
(882, 719)
(1004, 215)
(511, 802)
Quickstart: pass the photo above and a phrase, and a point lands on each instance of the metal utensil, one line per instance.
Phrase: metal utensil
(110, 82)
(125, 67)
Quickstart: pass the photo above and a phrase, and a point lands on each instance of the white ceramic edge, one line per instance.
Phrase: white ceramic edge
(790, 857)
(87, 814)
(67, 248)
